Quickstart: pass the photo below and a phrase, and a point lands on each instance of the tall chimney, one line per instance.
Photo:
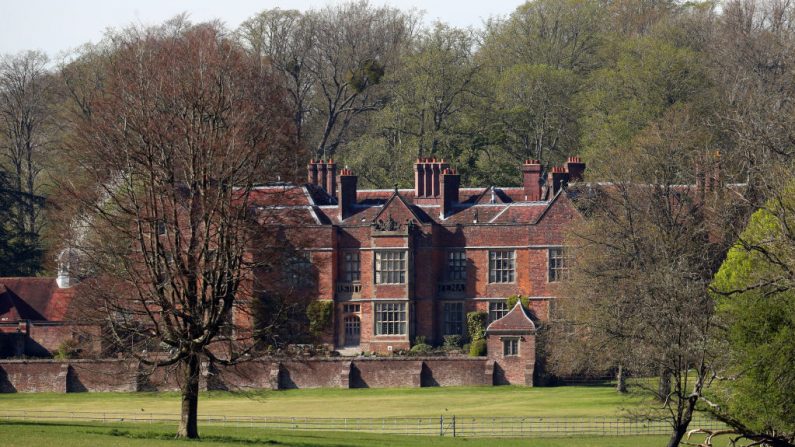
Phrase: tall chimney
(558, 177)
(311, 169)
(347, 193)
(451, 182)
(330, 182)
(419, 178)
(427, 178)
(576, 168)
(531, 180)
(322, 174)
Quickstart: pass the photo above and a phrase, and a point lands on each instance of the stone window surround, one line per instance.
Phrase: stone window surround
(396, 322)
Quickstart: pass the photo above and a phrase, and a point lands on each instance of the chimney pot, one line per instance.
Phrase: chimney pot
(576, 168)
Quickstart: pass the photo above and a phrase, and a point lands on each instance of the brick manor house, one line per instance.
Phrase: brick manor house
(396, 264)
(403, 263)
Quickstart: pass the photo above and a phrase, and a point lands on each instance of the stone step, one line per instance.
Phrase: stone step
(350, 351)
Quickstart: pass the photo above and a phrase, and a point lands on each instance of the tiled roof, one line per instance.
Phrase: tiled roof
(36, 299)
(514, 322)
(288, 204)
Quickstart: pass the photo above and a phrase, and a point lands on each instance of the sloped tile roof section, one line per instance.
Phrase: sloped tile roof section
(514, 322)
(308, 205)
(35, 299)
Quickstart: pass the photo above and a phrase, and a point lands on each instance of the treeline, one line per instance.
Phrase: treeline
(374, 88)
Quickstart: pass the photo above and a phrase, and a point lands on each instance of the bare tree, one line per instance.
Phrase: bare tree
(645, 254)
(282, 41)
(333, 60)
(25, 88)
(355, 45)
(182, 130)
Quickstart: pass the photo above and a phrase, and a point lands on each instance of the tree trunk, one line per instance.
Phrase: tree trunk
(664, 387)
(621, 380)
(190, 398)
(678, 433)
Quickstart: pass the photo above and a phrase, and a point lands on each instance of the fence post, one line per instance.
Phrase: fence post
(441, 425)
(454, 426)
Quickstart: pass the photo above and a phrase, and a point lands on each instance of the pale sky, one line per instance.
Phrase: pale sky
(56, 26)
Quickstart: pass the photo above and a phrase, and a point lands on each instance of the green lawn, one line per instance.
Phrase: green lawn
(139, 435)
(568, 401)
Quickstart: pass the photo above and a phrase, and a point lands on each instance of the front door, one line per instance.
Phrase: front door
(352, 330)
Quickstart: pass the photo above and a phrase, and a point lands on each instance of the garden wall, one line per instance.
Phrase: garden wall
(129, 375)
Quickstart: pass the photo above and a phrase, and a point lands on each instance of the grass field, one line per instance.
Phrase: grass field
(140, 435)
(568, 401)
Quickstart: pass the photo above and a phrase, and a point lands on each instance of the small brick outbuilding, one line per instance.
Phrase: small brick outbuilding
(511, 342)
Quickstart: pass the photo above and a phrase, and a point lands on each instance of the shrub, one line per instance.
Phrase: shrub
(420, 346)
(477, 348)
(68, 349)
(476, 325)
(511, 300)
(319, 315)
(452, 342)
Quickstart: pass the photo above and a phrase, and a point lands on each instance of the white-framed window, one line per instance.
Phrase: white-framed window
(453, 316)
(390, 267)
(510, 347)
(390, 318)
(351, 267)
(497, 310)
(558, 265)
(456, 265)
(502, 266)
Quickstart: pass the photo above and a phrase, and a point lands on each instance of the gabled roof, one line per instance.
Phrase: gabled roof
(36, 299)
(397, 201)
(492, 195)
(309, 205)
(514, 322)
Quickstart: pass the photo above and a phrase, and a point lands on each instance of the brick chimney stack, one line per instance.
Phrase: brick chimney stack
(451, 183)
(558, 178)
(576, 168)
(346, 199)
(427, 179)
(311, 169)
(531, 180)
(331, 178)
(323, 174)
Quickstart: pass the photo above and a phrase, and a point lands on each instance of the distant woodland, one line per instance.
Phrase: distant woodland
(375, 87)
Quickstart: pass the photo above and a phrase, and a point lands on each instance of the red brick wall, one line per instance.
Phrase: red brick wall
(386, 373)
(33, 376)
(260, 374)
(312, 374)
(455, 372)
(126, 375)
(102, 375)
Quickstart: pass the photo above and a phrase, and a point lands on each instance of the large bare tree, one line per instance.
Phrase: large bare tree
(651, 239)
(333, 60)
(25, 121)
(184, 127)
